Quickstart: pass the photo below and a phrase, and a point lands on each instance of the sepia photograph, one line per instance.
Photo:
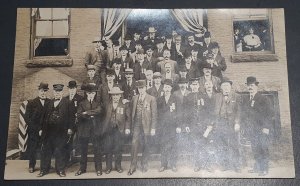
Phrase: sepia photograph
(149, 93)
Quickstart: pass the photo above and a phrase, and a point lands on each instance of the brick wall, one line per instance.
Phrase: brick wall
(85, 25)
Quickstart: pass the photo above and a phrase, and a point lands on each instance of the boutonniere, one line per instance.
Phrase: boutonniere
(134, 93)
(120, 110)
(161, 93)
(252, 103)
(172, 107)
(75, 103)
(202, 101)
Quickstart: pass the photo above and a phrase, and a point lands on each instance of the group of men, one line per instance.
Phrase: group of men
(159, 96)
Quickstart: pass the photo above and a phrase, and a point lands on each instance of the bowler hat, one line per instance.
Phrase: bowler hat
(207, 34)
(159, 40)
(182, 80)
(115, 90)
(128, 71)
(58, 87)
(123, 47)
(140, 83)
(168, 82)
(91, 67)
(140, 51)
(43, 86)
(110, 72)
(190, 34)
(194, 79)
(147, 47)
(116, 43)
(156, 75)
(207, 65)
(72, 84)
(209, 55)
(96, 39)
(90, 87)
(226, 80)
(252, 80)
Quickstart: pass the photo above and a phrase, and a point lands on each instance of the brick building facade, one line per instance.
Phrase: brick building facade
(270, 69)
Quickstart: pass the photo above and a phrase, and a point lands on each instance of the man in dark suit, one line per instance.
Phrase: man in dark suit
(90, 129)
(140, 65)
(58, 126)
(167, 118)
(150, 39)
(33, 115)
(258, 116)
(178, 50)
(130, 47)
(116, 120)
(92, 77)
(206, 44)
(119, 73)
(180, 97)
(129, 87)
(75, 98)
(207, 70)
(157, 89)
(227, 122)
(191, 66)
(158, 52)
(144, 119)
(150, 58)
(126, 61)
(191, 43)
(103, 95)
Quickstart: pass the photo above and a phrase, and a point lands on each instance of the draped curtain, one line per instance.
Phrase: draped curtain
(190, 19)
(112, 19)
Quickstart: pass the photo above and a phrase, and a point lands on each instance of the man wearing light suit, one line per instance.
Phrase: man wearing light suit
(144, 118)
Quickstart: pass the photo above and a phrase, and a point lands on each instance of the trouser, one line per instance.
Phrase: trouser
(114, 143)
(84, 142)
(200, 154)
(33, 145)
(68, 148)
(168, 148)
(139, 139)
(260, 149)
(53, 144)
(228, 148)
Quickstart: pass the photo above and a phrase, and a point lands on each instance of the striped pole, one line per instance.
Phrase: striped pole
(23, 135)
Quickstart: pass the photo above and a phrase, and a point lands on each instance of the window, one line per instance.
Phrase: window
(252, 31)
(50, 32)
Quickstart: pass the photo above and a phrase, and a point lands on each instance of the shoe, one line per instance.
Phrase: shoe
(99, 173)
(62, 174)
(119, 170)
(174, 169)
(130, 172)
(162, 169)
(42, 173)
(79, 172)
(197, 169)
(262, 173)
(31, 170)
(107, 171)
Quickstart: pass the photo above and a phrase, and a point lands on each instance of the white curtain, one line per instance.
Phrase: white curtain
(190, 19)
(112, 19)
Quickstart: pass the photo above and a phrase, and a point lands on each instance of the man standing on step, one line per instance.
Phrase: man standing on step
(33, 115)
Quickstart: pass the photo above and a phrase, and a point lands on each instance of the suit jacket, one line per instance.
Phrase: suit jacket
(153, 63)
(257, 113)
(193, 72)
(99, 59)
(75, 102)
(157, 54)
(89, 124)
(180, 101)
(215, 81)
(209, 107)
(217, 70)
(131, 91)
(97, 80)
(65, 118)
(167, 117)
(175, 55)
(123, 117)
(154, 92)
(233, 110)
(127, 63)
(130, 48)
(149, 113)
(120, 79)
(103, 95)
(34, 114)
(139, 71)
(174, 78)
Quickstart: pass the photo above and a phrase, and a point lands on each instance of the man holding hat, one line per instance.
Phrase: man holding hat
(167, 118)
(178, 50)
(75, 98)
(144, 119)
(33, 115)
(89, 129)
(258, 116)
(157, 89)
(97, 56)
(208, 77)
(117, 120)
(227, 122)
(56, 131)
(152, 36)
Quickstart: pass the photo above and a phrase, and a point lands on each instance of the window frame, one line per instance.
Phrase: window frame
(269, 18)
(33, 35)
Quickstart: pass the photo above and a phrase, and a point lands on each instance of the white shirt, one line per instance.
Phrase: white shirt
(42, 102)
(117, 72)
(183, 92)
(157, 86)
(56, 102)
(168, 75)
(177, 47)
(110, 85)
(115, 105)
(167, 97)
(252, 40)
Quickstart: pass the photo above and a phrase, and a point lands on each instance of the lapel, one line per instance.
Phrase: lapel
(134, 103)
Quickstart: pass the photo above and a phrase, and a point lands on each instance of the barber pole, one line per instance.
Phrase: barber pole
(23, 135)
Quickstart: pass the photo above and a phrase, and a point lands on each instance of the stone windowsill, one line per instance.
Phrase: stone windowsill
(50, 61)
(253, 57)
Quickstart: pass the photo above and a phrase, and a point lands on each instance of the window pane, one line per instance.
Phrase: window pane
(60, 13)
(43, 28)
(250, 13)
(45, 13)
(60, 28)
(52, 47)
